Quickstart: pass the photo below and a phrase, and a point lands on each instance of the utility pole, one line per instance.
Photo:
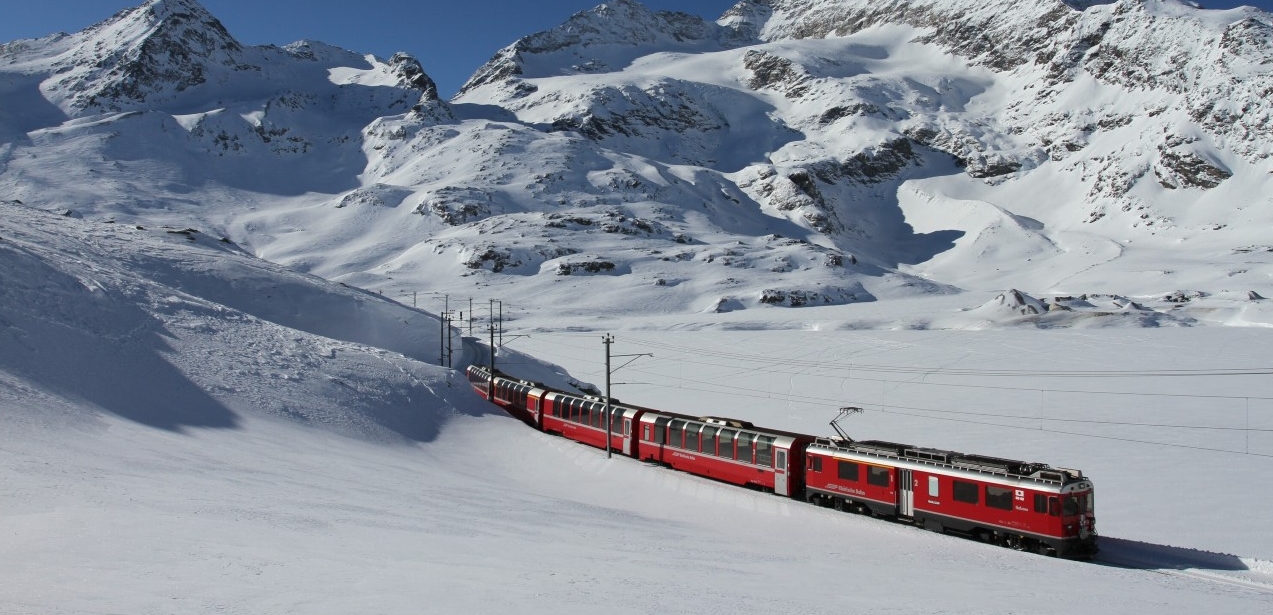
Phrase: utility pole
(607, 340)
(490, 386)
(450, 341)
(470, 317)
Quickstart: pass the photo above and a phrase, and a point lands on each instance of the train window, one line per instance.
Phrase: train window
(934, 487)
(1040, 503)
(709, 440)
(965, 492)
(660, 429)
(691, 437)
(815, 463)
(764, 451)
(1054, 506)
(676, 434)
(596, 414)
(725, 442)
(743, 451)
(877, 476)
(998, 497)
(616, 419)
(847, 470)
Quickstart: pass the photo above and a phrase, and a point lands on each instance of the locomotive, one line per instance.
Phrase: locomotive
(1015, 504)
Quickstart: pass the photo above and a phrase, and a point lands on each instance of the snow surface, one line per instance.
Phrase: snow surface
(189, 429)
(217, 393)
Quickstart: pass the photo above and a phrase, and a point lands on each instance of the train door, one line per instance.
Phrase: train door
(905, 494)
(627, 436)
(532, 405)
(780, 472)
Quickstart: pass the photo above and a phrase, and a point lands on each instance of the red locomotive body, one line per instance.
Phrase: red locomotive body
(1026, 506)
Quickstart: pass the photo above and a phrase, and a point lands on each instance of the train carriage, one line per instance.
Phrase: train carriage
(735, 452)
(520, 398)
(583, 419)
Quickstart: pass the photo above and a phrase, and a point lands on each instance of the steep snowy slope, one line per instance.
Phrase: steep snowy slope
(176, 329)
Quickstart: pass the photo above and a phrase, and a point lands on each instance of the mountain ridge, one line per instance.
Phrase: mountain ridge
(799, 143)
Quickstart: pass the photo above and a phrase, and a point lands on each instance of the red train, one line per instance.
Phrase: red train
(1025, 506)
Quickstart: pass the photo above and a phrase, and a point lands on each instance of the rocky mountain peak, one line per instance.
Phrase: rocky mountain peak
(411, 74)
(157, 50)
(601, 39)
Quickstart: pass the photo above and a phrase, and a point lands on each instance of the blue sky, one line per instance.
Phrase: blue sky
(451, 38)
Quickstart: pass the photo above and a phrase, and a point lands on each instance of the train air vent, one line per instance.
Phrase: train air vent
(931, 454)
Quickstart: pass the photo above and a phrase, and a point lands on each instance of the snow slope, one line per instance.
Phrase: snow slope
(176, 439)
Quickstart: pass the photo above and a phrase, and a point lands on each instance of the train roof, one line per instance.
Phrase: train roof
(1009, 468)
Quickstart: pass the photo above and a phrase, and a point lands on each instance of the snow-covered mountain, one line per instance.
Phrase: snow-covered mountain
(792, 153)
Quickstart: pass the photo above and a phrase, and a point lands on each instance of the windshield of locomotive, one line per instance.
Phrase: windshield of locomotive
(1073, 505)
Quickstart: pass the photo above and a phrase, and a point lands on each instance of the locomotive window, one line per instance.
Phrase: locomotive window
(726, 443)
(998, 497)
(1040, 503)
(847, 470)
(877, 476)
(965, 492)
(744, 447)
(934, 487)
(709, 440)
(1074, 505)
(1054, 506)
(676, 434)
(764, 451)
(815, 463)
